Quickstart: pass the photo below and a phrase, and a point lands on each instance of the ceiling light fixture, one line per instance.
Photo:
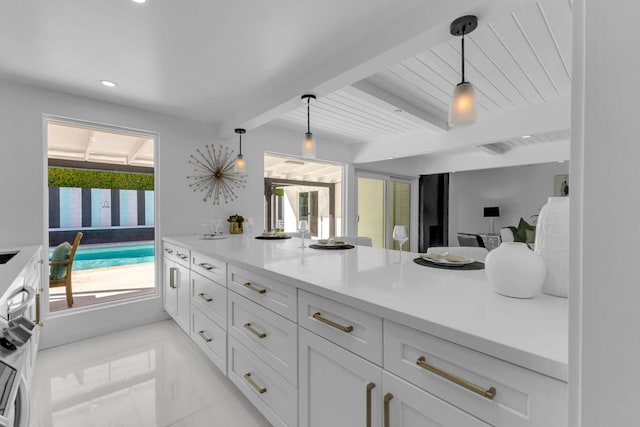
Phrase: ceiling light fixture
(463, 105)
(240, 164)
(139, 1)
(308, 145)
(526, 136)
(108, 83)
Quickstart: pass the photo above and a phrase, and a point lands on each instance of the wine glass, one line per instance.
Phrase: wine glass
(400, 235)
(303, 226)
(248, 224)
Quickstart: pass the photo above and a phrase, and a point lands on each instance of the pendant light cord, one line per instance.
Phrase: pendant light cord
(240, 144)
(463, 31)
(308, 126)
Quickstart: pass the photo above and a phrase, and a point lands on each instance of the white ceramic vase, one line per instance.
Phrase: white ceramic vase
(552, 244)
(514, 270)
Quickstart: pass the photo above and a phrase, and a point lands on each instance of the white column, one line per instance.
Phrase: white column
(604, 295)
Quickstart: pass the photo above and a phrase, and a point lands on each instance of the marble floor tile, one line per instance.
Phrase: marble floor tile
(153, 375)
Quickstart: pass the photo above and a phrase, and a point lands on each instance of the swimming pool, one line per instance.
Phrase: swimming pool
(115, 255)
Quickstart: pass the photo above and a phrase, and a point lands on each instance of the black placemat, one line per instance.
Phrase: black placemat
(273, 237)
(476, 265)
(331, 247)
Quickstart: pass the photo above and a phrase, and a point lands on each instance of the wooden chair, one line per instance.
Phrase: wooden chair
(66, 280)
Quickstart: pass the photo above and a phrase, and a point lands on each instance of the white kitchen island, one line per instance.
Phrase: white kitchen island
(351, 337)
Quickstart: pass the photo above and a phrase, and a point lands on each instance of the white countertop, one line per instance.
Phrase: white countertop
(459, 306)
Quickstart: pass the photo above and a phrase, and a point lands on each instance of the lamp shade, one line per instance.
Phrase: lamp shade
(492, 212)
(463, 105)
(308, 147)
(240, 165)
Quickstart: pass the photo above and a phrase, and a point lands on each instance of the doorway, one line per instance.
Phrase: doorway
(297, 189)
(383, 202)
(101, 191)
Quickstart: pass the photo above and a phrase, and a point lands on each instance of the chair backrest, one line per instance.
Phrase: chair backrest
(466, 239)
(507, 234)
(479, 254)
(72, 254)
(356, 240)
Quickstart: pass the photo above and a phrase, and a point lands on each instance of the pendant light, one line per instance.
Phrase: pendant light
(308, 145)
(463, 104)
(240, 164)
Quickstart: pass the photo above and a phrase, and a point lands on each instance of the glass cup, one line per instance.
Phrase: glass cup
(400, 235)
(303, 227)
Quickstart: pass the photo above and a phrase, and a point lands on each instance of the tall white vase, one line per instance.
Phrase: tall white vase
(514, 270)
(552, 244)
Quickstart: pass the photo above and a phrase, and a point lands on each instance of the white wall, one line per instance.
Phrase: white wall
(518, 191)
(604, 294)
(23, 191)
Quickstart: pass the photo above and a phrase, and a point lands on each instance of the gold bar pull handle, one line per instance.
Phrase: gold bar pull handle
(37, 321)
(248, 285)
(250, 380)
(172, 277)
(387, 416)
(331, 323)
(489, 394)
(205, 297)
(169, 251)
(206, 266)
(181, 256)
(254, 332)
(370, 387)
(204, 336)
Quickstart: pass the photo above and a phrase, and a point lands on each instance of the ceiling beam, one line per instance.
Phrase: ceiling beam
(374, 95)
(494, 148)
(90, 140)
(136, 150)
(421, 29)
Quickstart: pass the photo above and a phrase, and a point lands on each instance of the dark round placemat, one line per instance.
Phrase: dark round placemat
(331, 247)
(476, 265)
(273, 237)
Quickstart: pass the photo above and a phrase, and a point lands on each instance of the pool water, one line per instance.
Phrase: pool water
(112, 256)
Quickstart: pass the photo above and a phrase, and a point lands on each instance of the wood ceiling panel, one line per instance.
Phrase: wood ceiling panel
(558, 16)
(396, 85)
(421, 76)
(510, 33)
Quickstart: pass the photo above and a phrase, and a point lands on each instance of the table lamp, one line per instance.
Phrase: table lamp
(492, 213)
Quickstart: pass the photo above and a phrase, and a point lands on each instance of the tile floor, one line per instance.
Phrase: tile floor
(152, 375)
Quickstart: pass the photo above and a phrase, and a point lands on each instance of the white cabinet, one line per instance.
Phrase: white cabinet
(337, 388)
(177, 296)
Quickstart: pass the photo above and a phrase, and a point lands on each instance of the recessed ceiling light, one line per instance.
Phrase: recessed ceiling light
(526, 136)
(139, 1)
(397, 110)
(561, 161)
(108, 83)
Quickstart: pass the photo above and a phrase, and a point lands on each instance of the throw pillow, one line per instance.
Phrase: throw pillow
(521, 232)
(60, 253)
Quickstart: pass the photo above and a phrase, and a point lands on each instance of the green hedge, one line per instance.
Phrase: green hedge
(80, 178)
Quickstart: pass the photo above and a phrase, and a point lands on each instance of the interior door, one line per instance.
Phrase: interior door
(384, 202)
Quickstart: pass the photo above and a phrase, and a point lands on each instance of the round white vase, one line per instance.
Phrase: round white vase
(552, 244)
(514, 270)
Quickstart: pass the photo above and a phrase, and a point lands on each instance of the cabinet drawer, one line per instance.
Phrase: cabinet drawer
(410, 406)
(176, 253)
(210, 298)
(211, 268)
(211, 338)
(353, 329)
(268, 391)
(270, 336)
(522, 397)
(269, 293)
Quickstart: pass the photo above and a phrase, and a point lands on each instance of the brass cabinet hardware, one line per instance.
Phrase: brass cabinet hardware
(204, 337)
(250, 380)
(206, 266)
(387, 399)
(40, 261)
(37, 321)
(181, 256)
(489, 394)
(172, 278)
(370, 387)
(256, 333)
(331, 323)
(248, 285)
(169, 251)
(204, 297)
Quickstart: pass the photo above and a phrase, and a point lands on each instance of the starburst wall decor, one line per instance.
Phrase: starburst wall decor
(215, 174)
